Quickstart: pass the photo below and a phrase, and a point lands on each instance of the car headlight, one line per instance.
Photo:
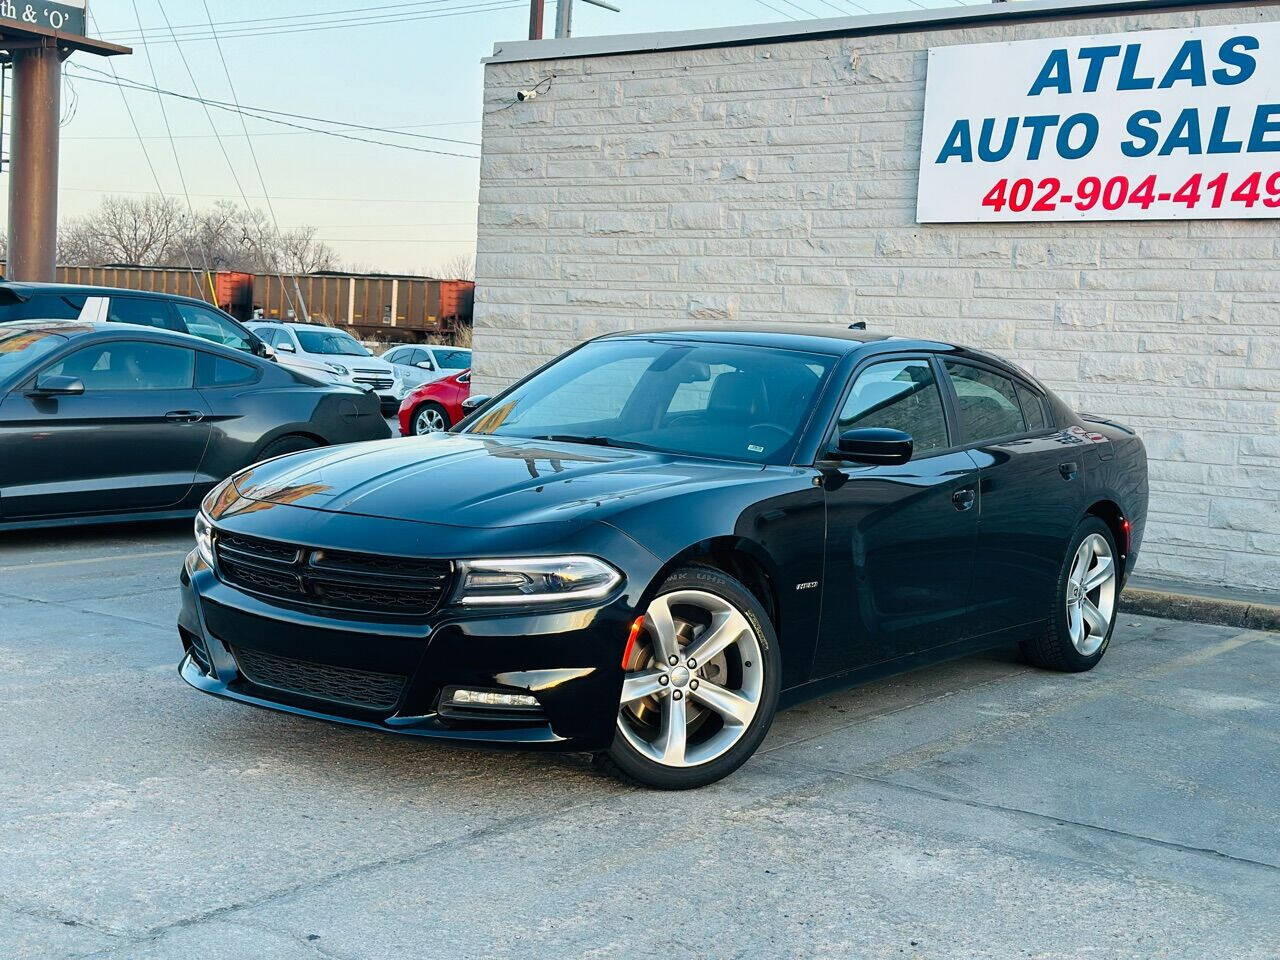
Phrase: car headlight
(204, 538)
(534, 580)
(337, 368)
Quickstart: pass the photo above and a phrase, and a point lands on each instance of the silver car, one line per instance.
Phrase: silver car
(419, 363)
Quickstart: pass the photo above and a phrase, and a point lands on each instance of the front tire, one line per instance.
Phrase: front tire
(1085, 604)
(701, 684)
(430, 417)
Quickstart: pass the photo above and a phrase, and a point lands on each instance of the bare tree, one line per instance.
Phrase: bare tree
(123, 230)
(461, 266)
(4, 246)
(158, 232)
(301, 252)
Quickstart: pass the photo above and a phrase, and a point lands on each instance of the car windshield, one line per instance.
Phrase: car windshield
(333, 342)
(721, 400)
(20, 347)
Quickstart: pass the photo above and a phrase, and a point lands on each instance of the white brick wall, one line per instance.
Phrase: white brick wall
(777, 182)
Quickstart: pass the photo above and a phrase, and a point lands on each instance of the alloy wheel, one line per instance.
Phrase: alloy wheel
(694, 679)
(429, 420)
(1091, 594)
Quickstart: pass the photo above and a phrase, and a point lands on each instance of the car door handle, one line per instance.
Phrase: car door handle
(184, 416)
(964, 499)
(1069, 470)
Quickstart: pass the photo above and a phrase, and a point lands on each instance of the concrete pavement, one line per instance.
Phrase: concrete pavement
(976, 809)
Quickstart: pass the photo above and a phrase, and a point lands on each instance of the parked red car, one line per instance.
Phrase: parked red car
(434, 406)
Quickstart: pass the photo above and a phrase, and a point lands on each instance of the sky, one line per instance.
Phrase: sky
(411, 67)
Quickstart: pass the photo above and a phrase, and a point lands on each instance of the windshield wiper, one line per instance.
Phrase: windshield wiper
(570, 438)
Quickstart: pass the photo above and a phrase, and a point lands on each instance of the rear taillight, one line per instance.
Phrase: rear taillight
(1126, 536)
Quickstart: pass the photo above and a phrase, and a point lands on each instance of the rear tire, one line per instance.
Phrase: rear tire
(690, 723)
(430, 417)
(1078, 632)
(291, 444)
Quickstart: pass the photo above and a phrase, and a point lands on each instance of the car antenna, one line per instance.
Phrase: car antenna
(858, 325)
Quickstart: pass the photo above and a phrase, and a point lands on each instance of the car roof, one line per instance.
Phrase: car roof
(814, 337)
(829, 339)
(22, 287)
(90, 330)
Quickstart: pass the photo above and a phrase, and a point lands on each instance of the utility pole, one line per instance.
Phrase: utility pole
(35, 39)
(33, 163)
(564, 15)
(536, 9)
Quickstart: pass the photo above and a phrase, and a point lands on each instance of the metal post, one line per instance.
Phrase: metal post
(536, 9)
(564, 18)
(33, 163)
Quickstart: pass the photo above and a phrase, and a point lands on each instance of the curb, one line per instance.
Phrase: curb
(1184, 606)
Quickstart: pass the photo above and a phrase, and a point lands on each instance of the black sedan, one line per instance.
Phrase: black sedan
(644, 547)
(105, 421)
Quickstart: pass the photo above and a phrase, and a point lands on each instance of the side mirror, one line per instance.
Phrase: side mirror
(266, 351)
(57, 385)
(875, 445)
(286, 347)
(474, 403)
(426, 365)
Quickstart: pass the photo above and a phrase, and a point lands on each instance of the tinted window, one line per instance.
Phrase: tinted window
(988, 406)
(705, 399)
(452, 359)
(416, 357)
(142, 312)
(901, 395)
(20, 348)
(44, 306)
(210, 325)
(396, 356)
(129, 365)
(1032, 407)
(215, 371)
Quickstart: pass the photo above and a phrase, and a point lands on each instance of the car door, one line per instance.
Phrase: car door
(142, 312)
(402, 359)
(900, 539)
(1029, 492)
(132, 440)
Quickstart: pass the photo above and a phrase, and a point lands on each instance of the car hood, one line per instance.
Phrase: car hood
(474, 481)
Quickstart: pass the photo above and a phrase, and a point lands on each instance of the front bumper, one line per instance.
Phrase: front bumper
(569, 660)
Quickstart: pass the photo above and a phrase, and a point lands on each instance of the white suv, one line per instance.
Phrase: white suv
(333, 355)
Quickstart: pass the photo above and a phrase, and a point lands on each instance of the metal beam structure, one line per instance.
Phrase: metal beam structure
(35, 52)
(564, 15)
(33, 163)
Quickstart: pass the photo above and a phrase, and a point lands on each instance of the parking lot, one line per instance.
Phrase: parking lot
(980, 808)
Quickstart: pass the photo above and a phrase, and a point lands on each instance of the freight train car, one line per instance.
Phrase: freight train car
(376, 306)
(403, 308)
(231, 291)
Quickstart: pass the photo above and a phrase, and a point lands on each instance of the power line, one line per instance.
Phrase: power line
(230, 108)
(274, 133)
(203, 27)
(228, 196)
(487, 6)
(244, 125)
(267, 112)
(182, 179)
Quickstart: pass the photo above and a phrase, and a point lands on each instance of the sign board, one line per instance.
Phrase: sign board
(1154, 125)
(65, 16)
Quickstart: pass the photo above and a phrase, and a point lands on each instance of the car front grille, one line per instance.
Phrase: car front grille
(374, 379)
(336, 580)
(357, 688)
